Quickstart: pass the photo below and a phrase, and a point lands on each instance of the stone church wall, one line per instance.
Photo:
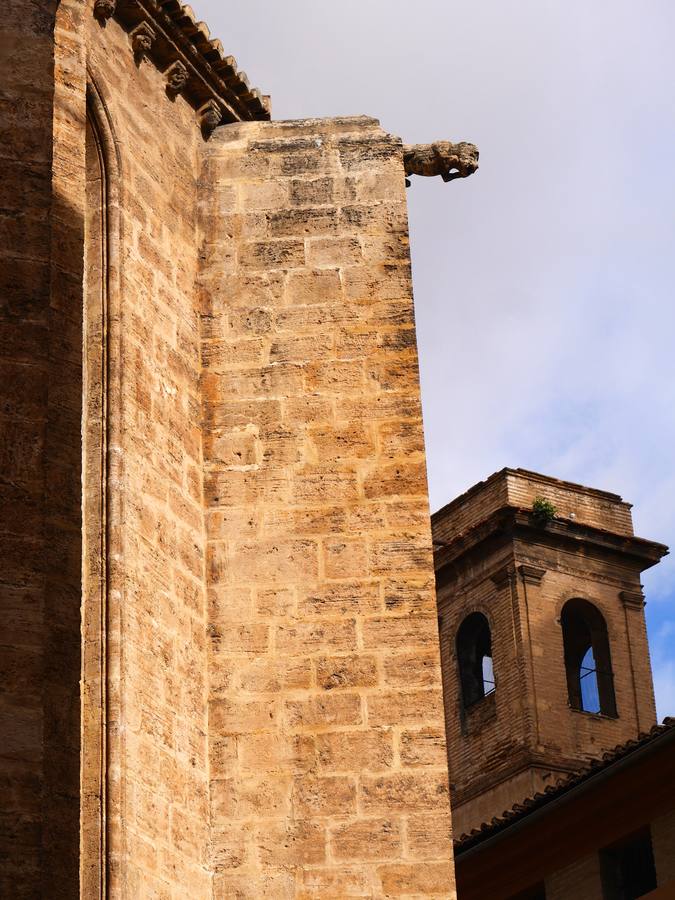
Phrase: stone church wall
(26, 58)
(259, 713)
(142, 593)
(328, 769)
(159, 787)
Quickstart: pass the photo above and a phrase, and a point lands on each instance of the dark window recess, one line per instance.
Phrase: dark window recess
(538, 892)
(628, 870)
(474, 655)
(590, 683)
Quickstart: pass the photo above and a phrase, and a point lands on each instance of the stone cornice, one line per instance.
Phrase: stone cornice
(509, 523)
(519, 760)
(165, 33)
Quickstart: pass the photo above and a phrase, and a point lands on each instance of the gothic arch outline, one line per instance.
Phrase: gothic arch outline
(102, 515)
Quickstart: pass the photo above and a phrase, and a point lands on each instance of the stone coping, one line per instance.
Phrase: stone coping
(512, 521)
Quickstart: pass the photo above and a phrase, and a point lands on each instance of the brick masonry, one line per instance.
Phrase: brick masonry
(220, 662)
(663, 843)
(520, 739)
(580, 880)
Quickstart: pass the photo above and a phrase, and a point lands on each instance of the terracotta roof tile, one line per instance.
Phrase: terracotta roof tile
(564, 785)
(212, 75)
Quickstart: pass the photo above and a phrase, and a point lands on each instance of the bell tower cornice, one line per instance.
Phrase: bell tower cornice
(543, 641)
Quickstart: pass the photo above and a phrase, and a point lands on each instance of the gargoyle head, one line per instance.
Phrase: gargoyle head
(456, 160)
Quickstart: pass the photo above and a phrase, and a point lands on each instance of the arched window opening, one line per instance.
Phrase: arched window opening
(474, 655)
(590, 683)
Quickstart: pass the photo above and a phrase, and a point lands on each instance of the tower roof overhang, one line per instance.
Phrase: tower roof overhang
(510, 523)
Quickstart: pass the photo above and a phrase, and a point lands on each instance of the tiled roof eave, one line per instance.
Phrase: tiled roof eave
(519, 811)
(166, 33)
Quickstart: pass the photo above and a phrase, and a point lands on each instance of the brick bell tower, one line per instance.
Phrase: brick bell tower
(543, 640)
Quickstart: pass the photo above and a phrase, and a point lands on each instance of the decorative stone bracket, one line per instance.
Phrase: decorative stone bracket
(165, 33)
(142, 38)
(104, 10)
(531, 574)
(210, 117)
(632, 599)
(176, 79)
(503, 577)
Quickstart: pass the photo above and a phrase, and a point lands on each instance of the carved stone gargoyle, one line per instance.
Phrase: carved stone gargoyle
(104, 10)
(442, 158)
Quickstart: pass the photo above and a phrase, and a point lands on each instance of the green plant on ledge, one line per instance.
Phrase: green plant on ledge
(543, 510)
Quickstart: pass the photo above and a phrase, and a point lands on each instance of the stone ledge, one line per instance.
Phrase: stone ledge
(512, 522)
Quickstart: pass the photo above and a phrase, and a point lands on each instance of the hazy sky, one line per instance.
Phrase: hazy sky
(544, 283)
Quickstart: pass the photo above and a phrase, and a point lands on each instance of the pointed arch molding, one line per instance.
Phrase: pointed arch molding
(102, 503)
(84, 350)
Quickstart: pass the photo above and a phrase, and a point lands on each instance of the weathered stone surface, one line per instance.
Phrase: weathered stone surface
(217, 512)
(332, 499)
(442, 158)
(415, 879)
(373, 839)
(361, 751)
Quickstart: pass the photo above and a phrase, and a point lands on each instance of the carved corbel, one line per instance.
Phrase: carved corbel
(503, 577)
(210, 117)
(176, 79)
(632, 599)
(104, 10)
(531, 574)
(142, 38)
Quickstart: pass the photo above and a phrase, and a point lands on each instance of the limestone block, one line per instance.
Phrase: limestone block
(321, 533)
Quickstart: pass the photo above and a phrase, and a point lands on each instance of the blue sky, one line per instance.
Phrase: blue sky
(543, 284)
